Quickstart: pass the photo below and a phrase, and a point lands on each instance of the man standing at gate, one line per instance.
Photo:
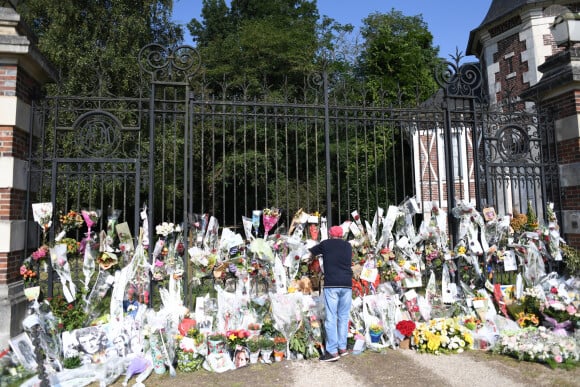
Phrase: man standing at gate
(337, 267)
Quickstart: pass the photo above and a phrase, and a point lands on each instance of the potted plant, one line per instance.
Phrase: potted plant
(253, 344)
(236, 338)
(375, 332)
(279, 348)
(216, 343)
(266, 347)
(254, 329)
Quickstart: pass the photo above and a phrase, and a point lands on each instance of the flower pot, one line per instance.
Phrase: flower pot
(266, 355)
(375, 337)
(278, 355)
(405, 343)
(216, 346)
(254, 356)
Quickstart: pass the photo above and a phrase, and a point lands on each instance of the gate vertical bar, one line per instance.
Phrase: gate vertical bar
(449, 175)
(151, 195)
(327, 149)
(186, 193)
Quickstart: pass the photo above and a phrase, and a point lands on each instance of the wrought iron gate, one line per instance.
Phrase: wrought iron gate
(181, 149)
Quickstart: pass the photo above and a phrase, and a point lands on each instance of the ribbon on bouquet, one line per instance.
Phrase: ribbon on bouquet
(558, 328)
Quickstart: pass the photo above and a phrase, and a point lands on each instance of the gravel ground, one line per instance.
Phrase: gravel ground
(391, 368)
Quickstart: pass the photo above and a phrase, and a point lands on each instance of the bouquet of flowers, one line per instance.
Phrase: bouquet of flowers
(91, 218)
(558, 314)
(406, 327)
(28, 273)
(237, 337)
(376, 328)
(442, 335)
(472, 323)
(70, 221)
(539, 345)
(270, 217)
(191, 350)
(40, 254)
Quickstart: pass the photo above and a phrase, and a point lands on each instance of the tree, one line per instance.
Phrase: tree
(398, 56)
(256, 41)
(98, 39)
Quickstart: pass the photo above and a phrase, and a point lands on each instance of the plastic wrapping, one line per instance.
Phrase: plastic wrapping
(60, 264)
(287, 315)
(534, 268)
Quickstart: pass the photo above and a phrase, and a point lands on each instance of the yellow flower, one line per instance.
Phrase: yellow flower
(434, 341)
(461, 250)
(232, 337)
(468, 338)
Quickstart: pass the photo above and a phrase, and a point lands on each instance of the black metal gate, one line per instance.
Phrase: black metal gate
(181, 148)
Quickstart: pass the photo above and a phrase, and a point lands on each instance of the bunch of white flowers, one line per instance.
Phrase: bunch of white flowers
(165, 229)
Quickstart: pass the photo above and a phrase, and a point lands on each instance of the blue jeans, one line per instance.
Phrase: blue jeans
(337, 302)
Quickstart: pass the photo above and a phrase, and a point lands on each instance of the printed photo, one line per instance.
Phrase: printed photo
(24, 350)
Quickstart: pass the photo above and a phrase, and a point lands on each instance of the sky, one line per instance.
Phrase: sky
(450, 21)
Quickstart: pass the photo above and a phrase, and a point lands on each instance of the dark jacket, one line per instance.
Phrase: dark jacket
(337, 262)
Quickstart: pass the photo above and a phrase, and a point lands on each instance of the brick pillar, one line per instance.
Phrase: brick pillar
(559, 90)
(23, 71)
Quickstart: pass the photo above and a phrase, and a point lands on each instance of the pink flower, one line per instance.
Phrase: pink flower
(61, 261)
(158, 263)
(39, 254)
(558, 358)
(23, 270)
(571, 309)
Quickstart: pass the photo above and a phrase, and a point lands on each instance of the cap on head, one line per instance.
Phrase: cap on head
(336, 232)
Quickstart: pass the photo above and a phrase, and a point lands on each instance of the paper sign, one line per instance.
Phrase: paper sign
(479, 304)
(509, 261)
(124, 234)
(403, 242)
(368, 274)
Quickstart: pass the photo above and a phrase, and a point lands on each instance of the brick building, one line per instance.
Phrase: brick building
(23, 71)
(520, 59)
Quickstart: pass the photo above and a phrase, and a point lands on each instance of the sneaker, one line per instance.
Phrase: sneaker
(343, 352)
(329, 357)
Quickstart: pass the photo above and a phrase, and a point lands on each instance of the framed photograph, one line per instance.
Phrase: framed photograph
(24, 350)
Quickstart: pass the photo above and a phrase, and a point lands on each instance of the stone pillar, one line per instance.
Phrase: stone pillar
(23, 71)
(559, 90)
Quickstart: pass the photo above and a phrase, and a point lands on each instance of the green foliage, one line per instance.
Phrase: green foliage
(70, 316)
(86, 40)
(253, 343)
(571, 258)
(398, 56)
(257, 40)
(72, 362)
(532, 223)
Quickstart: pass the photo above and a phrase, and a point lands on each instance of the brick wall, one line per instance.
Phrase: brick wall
(564, 105)
(12, 202)
(513, 64)
(569, 151)
(27, 88)
(10, 266)
(8, 80)
(13, 142)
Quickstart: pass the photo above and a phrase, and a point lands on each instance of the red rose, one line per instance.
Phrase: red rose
(554, 290)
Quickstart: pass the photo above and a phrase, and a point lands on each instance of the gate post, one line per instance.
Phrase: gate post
(559, 91)
(22, 72)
